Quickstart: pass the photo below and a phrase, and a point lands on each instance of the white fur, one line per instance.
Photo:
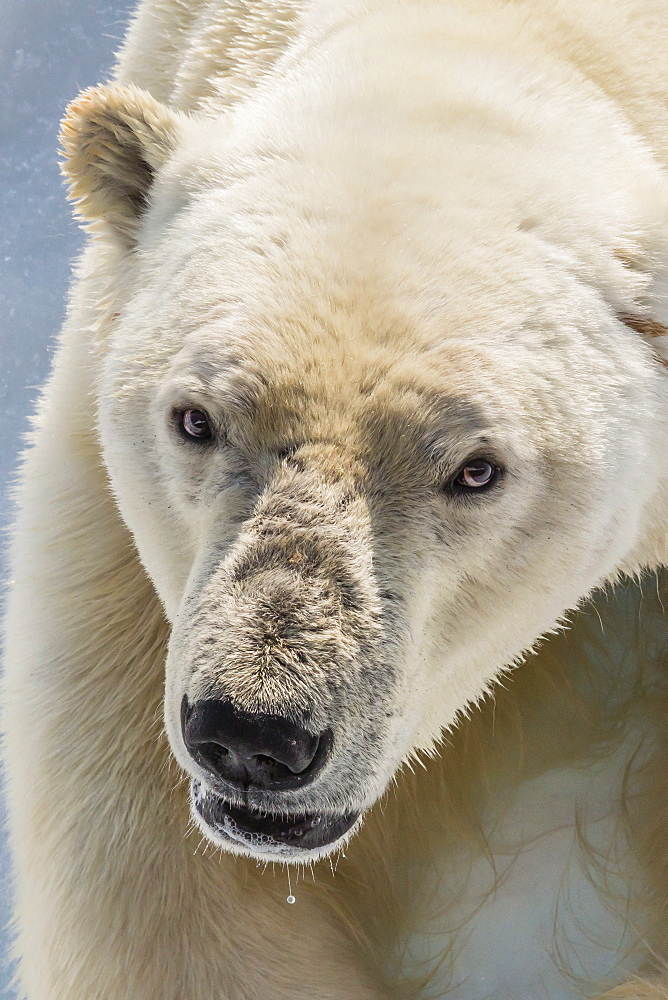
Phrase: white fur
(389, 236)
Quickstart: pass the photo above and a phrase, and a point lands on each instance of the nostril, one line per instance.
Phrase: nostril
(212, 754)
(249, 748)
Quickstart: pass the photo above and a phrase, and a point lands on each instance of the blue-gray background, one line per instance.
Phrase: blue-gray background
(49, 50)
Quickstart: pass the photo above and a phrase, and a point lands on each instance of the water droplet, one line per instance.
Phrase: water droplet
(291, 899)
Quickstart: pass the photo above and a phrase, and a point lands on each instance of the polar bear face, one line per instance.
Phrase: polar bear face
(360, 500)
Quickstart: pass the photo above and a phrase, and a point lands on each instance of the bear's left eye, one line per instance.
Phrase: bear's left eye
(477, 475)
(194, 424)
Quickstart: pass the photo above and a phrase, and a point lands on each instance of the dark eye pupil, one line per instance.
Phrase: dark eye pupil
(476, 474)
(196, 424)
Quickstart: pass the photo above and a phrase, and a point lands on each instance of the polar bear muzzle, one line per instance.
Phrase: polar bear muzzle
(280, 701)
(246, 751)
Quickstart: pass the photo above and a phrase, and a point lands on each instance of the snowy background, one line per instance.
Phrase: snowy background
(49, 50)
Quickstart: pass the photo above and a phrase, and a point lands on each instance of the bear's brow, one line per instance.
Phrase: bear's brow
(230, 383)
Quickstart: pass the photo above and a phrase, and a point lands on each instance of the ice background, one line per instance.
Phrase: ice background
(49, 50)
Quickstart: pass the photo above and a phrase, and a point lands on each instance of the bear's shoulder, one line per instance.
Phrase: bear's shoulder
(201, 56)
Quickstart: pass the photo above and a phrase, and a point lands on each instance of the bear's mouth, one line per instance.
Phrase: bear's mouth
(265, 832)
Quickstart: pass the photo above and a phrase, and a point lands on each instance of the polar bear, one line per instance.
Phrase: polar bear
(361, 393)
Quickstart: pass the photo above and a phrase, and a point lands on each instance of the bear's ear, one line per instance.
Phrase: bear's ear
(113, 140)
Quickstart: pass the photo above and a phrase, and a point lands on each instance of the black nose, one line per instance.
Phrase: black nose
(250, 748)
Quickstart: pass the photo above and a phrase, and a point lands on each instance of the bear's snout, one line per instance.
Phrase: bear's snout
(252, 749)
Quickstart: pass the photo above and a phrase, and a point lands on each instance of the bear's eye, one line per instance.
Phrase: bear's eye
(477, 475)
(194, 424)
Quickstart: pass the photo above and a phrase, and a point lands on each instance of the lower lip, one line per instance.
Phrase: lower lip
(263, 832)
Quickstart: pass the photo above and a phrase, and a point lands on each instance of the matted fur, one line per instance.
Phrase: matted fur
(371, 239)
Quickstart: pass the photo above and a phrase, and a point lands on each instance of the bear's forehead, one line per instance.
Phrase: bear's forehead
(372, 400)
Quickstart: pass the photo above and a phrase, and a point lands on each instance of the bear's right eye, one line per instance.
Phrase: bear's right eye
(194, 424)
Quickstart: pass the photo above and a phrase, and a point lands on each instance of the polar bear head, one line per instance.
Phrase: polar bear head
(370, 446)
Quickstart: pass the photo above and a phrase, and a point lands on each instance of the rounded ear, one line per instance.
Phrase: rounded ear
(114, 138)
